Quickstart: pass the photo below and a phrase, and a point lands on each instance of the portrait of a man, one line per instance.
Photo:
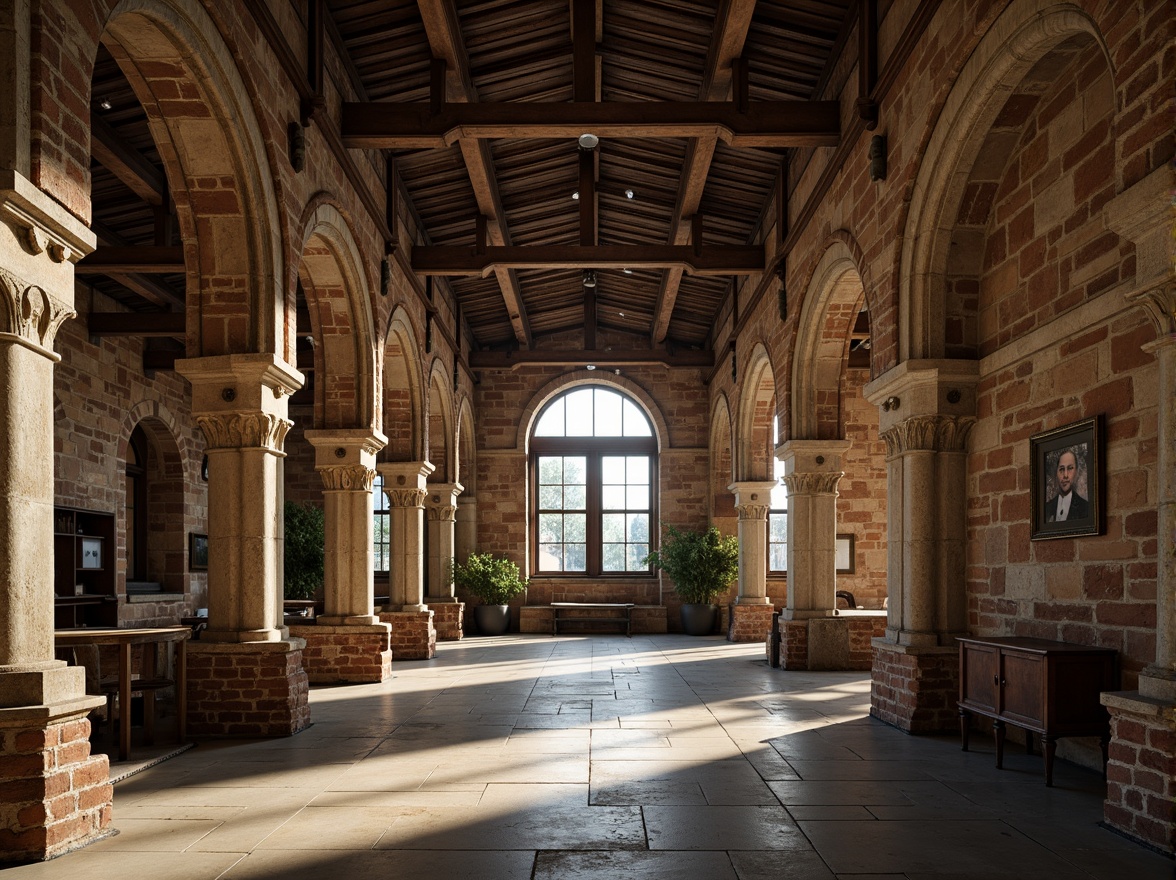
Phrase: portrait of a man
(1068, 503)
(1065, 480)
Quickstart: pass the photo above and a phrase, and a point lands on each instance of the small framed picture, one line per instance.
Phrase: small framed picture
(91, 553)
(1065, 479)
(844, 555)
(197, 552)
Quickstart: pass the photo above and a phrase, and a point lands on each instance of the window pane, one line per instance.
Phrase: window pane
(575, 498)
(575, 557)
(638, 498)
(608, 413)
(636, 425)
(779, 496)
(614, 557)
(613, 527)
(638, 552)
(637, 469)
(779, 557)
(551, 557)
(579, 413)
(612, 469)
(550, 470)
(613, 498)
(550, 497)
(575, 470)
(575, 525)
(777, 527)
(639, 527)
(551, 423)
(550, 528)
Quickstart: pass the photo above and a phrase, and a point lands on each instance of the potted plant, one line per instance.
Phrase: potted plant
(495, 580)
(304, 558)
(702, 566)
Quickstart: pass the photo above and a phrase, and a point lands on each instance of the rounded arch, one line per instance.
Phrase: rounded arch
(753, 446)
(466, 469)
(403, 397)
(832, 301)
(218, 169)
(1019, 39)
(337, 296)
(442, 439)
(722, 467)
(568, 381)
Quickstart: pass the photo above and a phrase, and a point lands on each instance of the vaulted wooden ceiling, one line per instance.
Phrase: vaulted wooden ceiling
(487, 100)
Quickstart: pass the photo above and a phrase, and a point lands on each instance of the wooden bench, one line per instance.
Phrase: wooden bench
(557, 607)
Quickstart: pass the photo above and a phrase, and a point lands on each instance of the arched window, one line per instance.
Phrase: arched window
(778, 512)
(381, 539)
(594, 482)
(136, 505)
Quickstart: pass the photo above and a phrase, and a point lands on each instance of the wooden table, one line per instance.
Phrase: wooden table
(557, 607)
(151, 638)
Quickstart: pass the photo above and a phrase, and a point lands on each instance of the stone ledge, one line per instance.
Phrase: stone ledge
(1134, 703)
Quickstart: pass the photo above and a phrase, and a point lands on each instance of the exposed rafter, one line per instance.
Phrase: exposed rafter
(149, 288)
(446, 43)
(156, 325)
(729, 260)
(126, 163)
(147, 260)
(509, 360)
(764, 124)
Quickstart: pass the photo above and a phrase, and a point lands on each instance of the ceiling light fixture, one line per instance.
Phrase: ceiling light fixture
(628, 193)
(627, 271)
(588, 278)
(590, 366)
(588, 141)
(104, 104)
(576, 196)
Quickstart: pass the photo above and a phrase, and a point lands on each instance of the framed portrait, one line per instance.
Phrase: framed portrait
(197, 552)
(1065, 473)
(844, 555)
(91, 553)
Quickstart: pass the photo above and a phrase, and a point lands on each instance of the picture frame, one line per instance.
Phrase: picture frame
(1066, 463)
(91, 553)
(197, 552)
(846, 559)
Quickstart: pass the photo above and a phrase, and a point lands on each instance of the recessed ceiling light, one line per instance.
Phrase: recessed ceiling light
(590, 366)
(588, 141)
(576, 195)
(628, 193)
(622, 314)
(627, 271)
(104, 104)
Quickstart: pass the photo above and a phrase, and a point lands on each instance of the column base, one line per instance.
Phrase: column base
(749, 622)
(247, 689)
(57, 796)
(830, 643)
(448, 618)
(413, 634)
(1141, 770)
(349, 653)
(916, 688)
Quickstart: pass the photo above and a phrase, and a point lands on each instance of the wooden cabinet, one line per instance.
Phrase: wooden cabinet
(1048, 688)
(83, 568)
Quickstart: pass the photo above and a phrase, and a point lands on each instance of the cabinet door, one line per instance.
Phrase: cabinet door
(1023, 689)
(979, 677)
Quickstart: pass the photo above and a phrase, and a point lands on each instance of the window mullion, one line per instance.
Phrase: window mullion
(594, 562)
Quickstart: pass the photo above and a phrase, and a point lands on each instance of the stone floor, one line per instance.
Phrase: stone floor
(604, 757)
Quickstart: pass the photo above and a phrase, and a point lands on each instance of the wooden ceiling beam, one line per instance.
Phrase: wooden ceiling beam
(147, 260)
(511, 360)
(126, 163)
(732, 22)
(445, 41)
(142, 324)
(382, 125)
(148, 288)
(716, 260)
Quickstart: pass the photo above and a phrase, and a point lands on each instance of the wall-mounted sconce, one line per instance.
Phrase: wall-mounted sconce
(385, 276)
(878, 157)
(296, 135)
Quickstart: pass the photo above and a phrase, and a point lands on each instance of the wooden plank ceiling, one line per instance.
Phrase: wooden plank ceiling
(500, 54)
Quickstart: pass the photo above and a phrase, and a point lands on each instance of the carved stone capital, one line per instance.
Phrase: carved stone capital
(929, 433)
(31, 314)
(441, 513)
(753, 511)
(405, 497)
(347, 477)
(813, 483)
(1160, 305)
(244, 430)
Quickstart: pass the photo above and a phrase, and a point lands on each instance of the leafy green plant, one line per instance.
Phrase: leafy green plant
(493, 579)
(701, 564)
(304, 550)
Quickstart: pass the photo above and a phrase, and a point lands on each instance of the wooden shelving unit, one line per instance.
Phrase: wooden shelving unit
(83, 568)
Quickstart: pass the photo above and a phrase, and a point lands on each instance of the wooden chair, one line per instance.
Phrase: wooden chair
(88, 657)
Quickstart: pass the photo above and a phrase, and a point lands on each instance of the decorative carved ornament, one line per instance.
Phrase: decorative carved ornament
(347, 477)
(753, 511)
(813, 484)
(244, 430)
(441, 513)
(1160, 305)
(929, 433)
(29, 312)
(405, 497)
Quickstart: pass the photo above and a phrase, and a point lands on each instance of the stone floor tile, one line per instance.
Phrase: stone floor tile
(722, 828)
(634, 866)
(377, 865)
(551, 828)
(832, 812)
(95, 864)
(327, 828)
(777, 865)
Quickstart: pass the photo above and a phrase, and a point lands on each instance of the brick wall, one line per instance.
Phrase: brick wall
(861, 495)
(1141, 770)
(236, 692)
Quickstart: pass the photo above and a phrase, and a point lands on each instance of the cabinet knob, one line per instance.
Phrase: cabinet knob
(996, 679)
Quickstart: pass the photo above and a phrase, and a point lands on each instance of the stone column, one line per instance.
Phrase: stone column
(44, 750)
(348, 642)
(812, 635)
(1141, 794)
(751, 613)
(441, 517)
(240, 402)
(465, 527)
(927, 413)
(413, 634)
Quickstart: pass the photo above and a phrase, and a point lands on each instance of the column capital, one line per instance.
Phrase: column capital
(405, 474)
(29, 316)
(752, 492)
(441, 501)
(244, 430)
(810, 483)
(346, 447)
(1159, 303)
(944, 387)
(812, 456)
(934, 433)
(346, 477)
(235, 383)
